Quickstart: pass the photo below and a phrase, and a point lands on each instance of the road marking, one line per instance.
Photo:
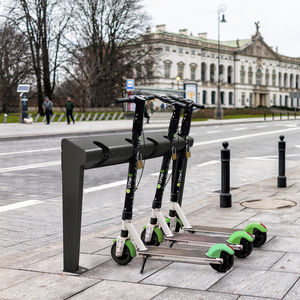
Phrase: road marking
(297, 146)
(291, 125)
(19, 205)
(208, 163)
(30, 151)
(244, 136)
(104, 186)
(261, 126)
(239, 129)
(214, 131)
(270, 157)
(33, 166)
(156, 174)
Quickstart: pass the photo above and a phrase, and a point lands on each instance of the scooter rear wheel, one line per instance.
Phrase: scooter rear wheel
(228, 261)
(124, 259)
(260, 238)
(154, 239)
(247, 249)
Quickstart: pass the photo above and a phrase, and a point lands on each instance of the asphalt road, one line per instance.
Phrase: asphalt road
(30, 179)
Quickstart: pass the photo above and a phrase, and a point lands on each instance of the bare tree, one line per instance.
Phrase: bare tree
(110, 48)
(14, 66)
(43, 22)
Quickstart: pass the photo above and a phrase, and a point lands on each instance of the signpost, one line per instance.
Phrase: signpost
(129, 89)
(23, 89)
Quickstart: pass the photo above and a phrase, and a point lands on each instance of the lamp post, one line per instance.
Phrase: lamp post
(219, 111)
(177, 79)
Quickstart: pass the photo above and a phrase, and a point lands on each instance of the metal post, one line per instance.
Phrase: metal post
(295, 116)
(4, 118)
(265, 116)
(281, 179)
(225, 196)
(288, 115)
(273, 116)
(280, 116)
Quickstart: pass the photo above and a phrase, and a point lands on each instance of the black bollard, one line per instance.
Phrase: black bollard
(265, 116)
(273, 116)
(280, 116)
(281, 179)
(225, 196)
(295, 116)
(288, 115)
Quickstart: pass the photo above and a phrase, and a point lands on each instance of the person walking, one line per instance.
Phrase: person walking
(151, 107)
(146, 115)
(47, 105)
(69, 110)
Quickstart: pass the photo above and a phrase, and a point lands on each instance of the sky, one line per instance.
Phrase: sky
(279, 20)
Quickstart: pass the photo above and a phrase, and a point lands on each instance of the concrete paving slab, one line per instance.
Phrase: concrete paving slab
(279, 217)
(199, 277)
(47, 286)
(259, 260)
(10, 277)
(256, 283)
(294, 293)
(173, 294)
(94, 245)
(290, 262)
(130, 273)
(54, 264)
(107, 290)
(284, 244)
(254, 298)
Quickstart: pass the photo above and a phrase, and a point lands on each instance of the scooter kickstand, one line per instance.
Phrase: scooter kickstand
(144, 263)
(172, 244)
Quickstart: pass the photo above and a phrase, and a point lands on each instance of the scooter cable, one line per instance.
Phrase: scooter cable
(143, 163)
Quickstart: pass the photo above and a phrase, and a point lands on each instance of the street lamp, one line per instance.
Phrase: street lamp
(219, 111)
(177, 79)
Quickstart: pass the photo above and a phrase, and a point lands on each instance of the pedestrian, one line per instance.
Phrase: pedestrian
(162, 106)
(47, 105)
(151, 107)
(69, 110)
(146, 115)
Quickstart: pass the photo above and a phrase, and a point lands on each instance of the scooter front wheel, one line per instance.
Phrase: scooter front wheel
(154, 238)
(227, 264)
(260, 238)
(124, 259)
(247, 249)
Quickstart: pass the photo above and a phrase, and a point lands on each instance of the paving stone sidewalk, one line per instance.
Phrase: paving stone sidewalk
(271, 272)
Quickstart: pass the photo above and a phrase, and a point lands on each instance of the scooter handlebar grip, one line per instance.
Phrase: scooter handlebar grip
(150, 97)
(123, 100)
(199, 106)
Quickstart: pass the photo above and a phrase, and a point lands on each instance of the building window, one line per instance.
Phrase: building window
(243, 99)
(204, 97)
(212, 73)
(203, 72)
(258, 77)
(230, 57)
(280, 100)
(286, 101)
(221, 72)
(203, 54)
(193, 52)
(298, 102)
(297, 82)
(222, 98)
(167, 48)
(180, 70)
(274, 78)
(292, 102)
(212, 55)
(250, 100)
(180, 50)
(229, 74)
(267, 77)
(213, 97)
(193, 71)
(279, 79)
(274, 99)
(250, 75)
(285, 80)
(242, 74)
(167, 68)
(292, 81)
(230, 98)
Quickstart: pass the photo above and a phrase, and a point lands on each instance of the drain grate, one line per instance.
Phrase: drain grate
(268, 203)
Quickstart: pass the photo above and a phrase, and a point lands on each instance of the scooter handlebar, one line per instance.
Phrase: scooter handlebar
(187, 102)
(134, 98)
(123, 100)
(169, 101)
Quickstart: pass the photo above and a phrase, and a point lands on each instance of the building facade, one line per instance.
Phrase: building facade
(251, 72)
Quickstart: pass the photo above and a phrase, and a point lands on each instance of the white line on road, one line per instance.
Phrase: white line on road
(33, 166)
(208, 163)
(29, 151)
(261, 126)
(213, 131)
(244, 136)
(291, 125)
(239, 129)
(19, 205)
(270, 157)
(104, 186)
(156, 174)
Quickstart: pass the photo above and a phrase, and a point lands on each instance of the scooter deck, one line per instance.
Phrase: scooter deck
(211, 230)
(180, 255)
(200, 240)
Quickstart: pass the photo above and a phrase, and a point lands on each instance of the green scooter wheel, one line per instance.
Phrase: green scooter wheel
(247, 249)
(260, 238)
(154, 239)
(227, 264)
(124, 259)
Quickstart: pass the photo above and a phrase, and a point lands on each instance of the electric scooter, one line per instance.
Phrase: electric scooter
(151, 234)
(129, 244)
(257, 230)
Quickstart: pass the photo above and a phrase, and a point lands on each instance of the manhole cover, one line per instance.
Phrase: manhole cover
(268, 203)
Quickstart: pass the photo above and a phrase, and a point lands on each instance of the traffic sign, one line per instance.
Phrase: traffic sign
(295, 95)
(130, 84)
(23, 88)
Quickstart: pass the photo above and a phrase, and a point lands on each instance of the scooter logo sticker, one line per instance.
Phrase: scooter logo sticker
(160, 179)
(179, 178)
(129, 183)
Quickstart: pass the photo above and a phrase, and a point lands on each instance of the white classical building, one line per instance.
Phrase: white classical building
(251, 72)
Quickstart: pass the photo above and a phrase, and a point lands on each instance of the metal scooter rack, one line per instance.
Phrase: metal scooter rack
(79, 154)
